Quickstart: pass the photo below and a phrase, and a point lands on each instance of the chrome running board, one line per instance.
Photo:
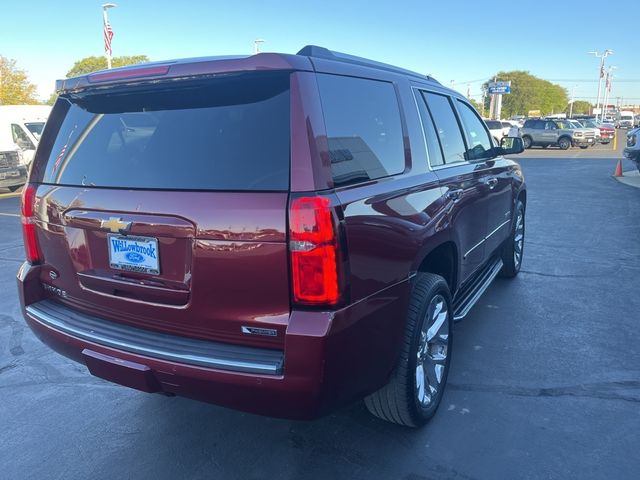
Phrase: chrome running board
(466, 298)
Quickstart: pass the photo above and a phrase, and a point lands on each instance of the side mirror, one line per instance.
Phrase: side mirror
(511, 146)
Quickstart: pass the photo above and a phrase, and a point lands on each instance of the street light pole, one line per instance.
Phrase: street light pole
(573, 94)
(107, 32)
(601, 56)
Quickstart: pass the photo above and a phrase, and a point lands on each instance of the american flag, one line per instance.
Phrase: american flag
(108, 35)
(601, 67)
(56, 164)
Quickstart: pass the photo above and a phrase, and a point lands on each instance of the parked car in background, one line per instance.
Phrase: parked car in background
(624, 119)
(632, 149)
(605, 131)
(497, 129)
(555, 132)
(13, 172)
(23, 125)
(280, 234)
(580, 125)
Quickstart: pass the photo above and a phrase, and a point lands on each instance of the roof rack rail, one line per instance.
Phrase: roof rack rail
(322, 52)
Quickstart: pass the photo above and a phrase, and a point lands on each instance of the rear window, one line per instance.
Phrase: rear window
(228, 133)
(364, 130)
(493, 125)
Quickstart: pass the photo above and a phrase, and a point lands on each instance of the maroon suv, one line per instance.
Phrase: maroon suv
(281, 234)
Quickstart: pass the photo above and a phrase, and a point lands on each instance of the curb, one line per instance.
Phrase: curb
(630, 177)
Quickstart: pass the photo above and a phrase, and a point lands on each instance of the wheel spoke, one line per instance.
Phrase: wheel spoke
(420, 383)
(440, 316)
(434, 377)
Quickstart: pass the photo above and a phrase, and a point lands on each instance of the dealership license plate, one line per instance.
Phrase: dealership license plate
(590, 140)
(134, 254)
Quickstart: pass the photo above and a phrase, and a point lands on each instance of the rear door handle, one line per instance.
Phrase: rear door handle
(492, 182)
(455, 195)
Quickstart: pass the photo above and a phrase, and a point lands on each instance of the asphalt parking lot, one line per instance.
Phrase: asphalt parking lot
(545, 379)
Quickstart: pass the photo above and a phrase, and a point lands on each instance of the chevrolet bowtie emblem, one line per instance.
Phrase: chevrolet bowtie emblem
(116, 225)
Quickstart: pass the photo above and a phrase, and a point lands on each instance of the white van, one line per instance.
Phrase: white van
(624, 119)
(22, 125)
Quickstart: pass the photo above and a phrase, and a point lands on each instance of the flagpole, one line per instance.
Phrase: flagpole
(601, 56)
(607, 90)
(105, 24)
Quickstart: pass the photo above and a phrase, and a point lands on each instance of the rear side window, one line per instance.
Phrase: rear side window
(430, 134)
(229, 133)
(363, 126)
(446, 123)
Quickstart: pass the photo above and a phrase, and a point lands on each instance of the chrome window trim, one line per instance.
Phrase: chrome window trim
(416, 90)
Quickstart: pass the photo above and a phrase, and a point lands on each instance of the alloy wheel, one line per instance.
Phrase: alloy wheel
(518, 239)
(433, 350)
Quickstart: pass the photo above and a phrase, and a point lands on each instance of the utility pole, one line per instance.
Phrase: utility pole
(107, 32)
(256, 45)
(601, 56)
(607, 91)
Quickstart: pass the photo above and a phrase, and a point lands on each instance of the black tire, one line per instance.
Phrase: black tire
(584, 147)
(398, 401)
(14, 188)
(527, 141)
(511, 262)
(564, 143)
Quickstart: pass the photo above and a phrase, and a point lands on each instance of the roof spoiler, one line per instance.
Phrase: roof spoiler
(314, 51)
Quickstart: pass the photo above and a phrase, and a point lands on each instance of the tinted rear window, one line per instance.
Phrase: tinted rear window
(229, 133)
(364, 130)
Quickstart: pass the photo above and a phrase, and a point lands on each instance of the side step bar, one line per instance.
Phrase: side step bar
(467, 298)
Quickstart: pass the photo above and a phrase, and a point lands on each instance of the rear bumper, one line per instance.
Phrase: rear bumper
(329, 358)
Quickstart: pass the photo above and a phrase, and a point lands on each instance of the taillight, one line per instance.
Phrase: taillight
(314, 252)
(31, 246)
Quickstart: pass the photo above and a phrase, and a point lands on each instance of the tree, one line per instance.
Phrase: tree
(52, 99)
(580, 107)
(15, 88)
(530, 93)
(91, 64)
(476, 105)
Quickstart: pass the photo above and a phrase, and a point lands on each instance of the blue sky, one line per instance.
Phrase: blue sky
(463, 41)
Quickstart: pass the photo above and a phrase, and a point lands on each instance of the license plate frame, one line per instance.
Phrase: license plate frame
(133, 253)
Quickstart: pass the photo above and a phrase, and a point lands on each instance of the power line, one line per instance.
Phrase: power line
(618, 80)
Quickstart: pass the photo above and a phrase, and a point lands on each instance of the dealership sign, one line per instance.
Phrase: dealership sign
(499, 88)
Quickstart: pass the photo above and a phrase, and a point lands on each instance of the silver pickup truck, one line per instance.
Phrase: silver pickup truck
(13, 174)
(556, 132)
